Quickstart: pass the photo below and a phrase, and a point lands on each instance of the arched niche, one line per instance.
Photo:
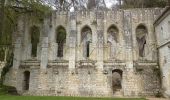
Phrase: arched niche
(86, 39)
(61, 40)
(35, 38)
(26, 81)
(112, 40)
(141, 32)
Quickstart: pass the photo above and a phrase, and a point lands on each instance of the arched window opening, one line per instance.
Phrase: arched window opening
(86, 38)
(141, 33)
(117, 80)
(113, 39)
(109, 49)
(60, 39)
(26, 80)
(35, 35)
(88, 48)
(113, 34)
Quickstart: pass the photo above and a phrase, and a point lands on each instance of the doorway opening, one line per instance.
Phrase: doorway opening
(26, 80)
(117, 80)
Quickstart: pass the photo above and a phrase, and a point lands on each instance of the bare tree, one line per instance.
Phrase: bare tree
(77, 4)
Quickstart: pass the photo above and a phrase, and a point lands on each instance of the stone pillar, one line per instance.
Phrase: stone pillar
(17, 50)
(72, 41)
(44, 53)
(129, 82)
(44, 45)
(101, 79)
(128, 35)
(100, 38)
(53, 46)
(72, 85)
(17, 53)
(44, 59)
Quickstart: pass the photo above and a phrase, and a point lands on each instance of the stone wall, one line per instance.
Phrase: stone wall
(77, 75)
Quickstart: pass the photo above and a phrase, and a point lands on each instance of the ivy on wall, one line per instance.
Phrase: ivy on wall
(10, 11)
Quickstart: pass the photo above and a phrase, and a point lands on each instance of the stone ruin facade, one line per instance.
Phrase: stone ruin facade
(87, 53)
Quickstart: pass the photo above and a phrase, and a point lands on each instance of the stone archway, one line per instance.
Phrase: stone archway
(141, 33)
(117, 80)
(26, 80)
(35, 39)
(112, 40)
(86, 40)
(61, 40)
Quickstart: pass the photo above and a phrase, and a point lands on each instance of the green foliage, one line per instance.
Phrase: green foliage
(4, 90)
(143, 3)
(8, 64)
(61, 35)
(35, 9)
(2, 54)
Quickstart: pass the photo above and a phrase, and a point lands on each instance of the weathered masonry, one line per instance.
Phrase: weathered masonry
(162, 31)
(87, 53)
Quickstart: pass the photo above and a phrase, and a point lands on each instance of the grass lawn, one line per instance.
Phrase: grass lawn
(5, 97)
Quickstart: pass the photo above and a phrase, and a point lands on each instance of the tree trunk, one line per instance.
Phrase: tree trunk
(2, 14)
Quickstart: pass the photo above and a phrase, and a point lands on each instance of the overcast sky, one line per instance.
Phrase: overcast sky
(109, 3)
